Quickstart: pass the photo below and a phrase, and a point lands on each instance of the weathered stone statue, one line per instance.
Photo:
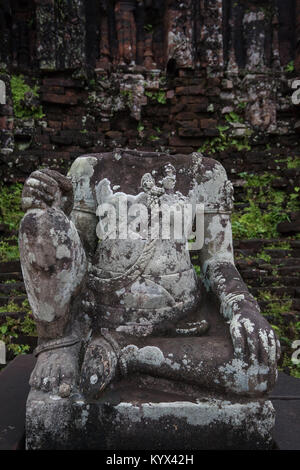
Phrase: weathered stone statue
(135, 351)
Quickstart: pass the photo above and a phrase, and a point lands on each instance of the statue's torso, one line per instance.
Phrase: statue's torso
(142, 280)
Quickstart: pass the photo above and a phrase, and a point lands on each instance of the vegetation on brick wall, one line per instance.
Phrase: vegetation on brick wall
(25, 99)
(10, 205)
(266, 208)
(10, 216)
(15, 331)
(9, 250)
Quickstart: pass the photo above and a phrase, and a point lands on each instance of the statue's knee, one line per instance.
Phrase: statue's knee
(53, 264)
(49, 239)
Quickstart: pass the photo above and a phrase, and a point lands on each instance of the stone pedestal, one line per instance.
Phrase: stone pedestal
(143, 419)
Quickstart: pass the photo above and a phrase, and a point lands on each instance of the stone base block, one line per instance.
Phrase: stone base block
(133, 423)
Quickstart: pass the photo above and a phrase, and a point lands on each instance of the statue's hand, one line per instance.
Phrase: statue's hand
(47, 188)
(254, 340)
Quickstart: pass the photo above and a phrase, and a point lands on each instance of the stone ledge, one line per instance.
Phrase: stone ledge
(212, 423)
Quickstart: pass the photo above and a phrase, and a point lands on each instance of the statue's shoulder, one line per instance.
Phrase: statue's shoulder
(84, 174)
(215, 189)
(208, 169)
(84, 166)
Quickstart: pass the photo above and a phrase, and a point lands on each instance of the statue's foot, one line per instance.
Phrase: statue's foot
(56, 371)
(98, 368)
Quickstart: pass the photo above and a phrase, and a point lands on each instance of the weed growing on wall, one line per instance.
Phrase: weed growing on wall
(25, 99)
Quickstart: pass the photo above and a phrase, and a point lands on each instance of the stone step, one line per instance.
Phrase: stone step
(18, 300)
(277, 264)
(296, 304)
(19, 315)
(12, 287)
(289, 261)
(258, 243)
(262, 269)
(17, 276)
(264, 304)
(10, 266)
(274, 253)
(265, 281)
(290, 271)
(276, 292)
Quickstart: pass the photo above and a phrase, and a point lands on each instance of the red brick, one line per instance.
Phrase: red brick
(60, 99)
(74, 122)
(115, 135)
(44, 138)
(190, 132)
(103, 126)
(198, 108)
(185, 150)
(54, 124)
(208, 123)
(170, 94)
(193, 123)
(61, 82)
(211, 132)
(178, 142)
(178, 108)
(186, 116)
(3, 123)
(190, 90)
(214, 81)
(213, 91)
(53, 89)
(194, 100)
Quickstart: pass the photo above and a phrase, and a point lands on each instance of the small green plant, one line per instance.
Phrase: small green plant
(233, 117)
(12, 328)
(253, 222)
(264, 256)
(9, 252)
(293, 203)
(287, 331)
(293, 163)
(280, 245)
(10, 205)
(127, 95)
(242, 105)
(148, 28)
(225, 140)
(158, 96)
(140, 127)
(290, 67)
(153, 138)
(11, 307)
(23, 97)
(198, 270)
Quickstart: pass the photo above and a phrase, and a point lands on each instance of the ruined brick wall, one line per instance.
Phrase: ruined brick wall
(175, 76)
(149, 74)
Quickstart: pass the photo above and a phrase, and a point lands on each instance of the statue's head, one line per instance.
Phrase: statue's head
(147, 182)
(169, 179)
